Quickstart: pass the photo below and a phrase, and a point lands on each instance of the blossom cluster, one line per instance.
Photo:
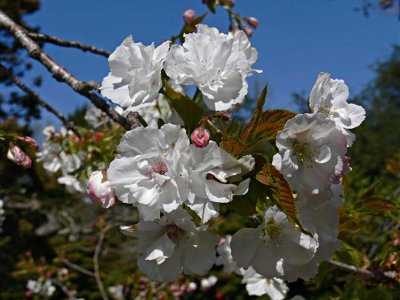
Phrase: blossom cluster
(43, 288)
(56, 156)
(216, 63)
(179, 177)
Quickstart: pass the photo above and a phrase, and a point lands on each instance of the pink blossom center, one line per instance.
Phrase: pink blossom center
(159, 167)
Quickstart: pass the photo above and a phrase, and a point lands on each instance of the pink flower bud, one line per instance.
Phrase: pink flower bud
(200, 137)
(189, 16)
(253, 22)
(18, 156)
(247, 30)
(30, 142)
(100, 190)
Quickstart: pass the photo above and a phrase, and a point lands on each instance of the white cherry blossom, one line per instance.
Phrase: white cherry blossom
(71, 183)
(225, 258)
(44, 288)
(157, 109)
(173, 244)
(258, 285)
(135, 76)
(310, 147)
(272, 241)
(217, 63)
(318, 214)
(211, 173)
(329, 96)
(148, 173)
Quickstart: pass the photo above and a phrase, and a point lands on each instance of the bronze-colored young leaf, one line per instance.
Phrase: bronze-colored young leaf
(380, 205)
(281, 193)
(232, 145)
(251, 127)
(271, 122)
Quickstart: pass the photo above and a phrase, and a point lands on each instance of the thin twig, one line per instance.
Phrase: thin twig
(96, 265)
(38, 100)
(63, 288)
(374, 275)
(69, 44)
(87, 89)
(78, 268)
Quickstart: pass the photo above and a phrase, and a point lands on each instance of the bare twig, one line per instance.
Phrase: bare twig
(38, 100)
(78, 268)
(87, 89)
(63, 288)
(69, 44)
(31, 205)
(96, 265)
(373, 275)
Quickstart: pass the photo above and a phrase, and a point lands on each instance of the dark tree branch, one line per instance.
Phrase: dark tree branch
(77, 268)
(96, 265)
(69, 44)
(87, 89)
(38, 100)
(373, 275)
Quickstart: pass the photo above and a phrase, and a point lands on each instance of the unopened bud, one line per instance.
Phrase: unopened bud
(30, 142)
(200, 137)
(18, 156)
(225, 117)
(189, 16)
(253, 22)
(99, 189)
(247, 30)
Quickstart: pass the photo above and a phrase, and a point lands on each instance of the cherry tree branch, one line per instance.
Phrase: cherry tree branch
(373, 275)
(96, 265)
(38, 100)
(69, 44)
(86, 89)
(77, 268)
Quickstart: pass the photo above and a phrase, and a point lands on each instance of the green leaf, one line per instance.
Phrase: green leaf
(189, 111)
(350, 255)
(281, 193)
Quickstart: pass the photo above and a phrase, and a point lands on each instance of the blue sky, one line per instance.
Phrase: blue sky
(296, 40)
